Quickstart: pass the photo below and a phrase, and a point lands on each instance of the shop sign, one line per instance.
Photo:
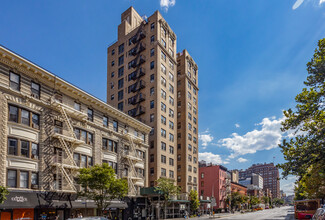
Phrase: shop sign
(19, 199)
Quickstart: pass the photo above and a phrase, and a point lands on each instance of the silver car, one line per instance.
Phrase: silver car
(319, 214)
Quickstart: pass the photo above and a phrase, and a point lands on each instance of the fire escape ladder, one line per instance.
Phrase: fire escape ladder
(67, 121)
(67, 150)
(67, 177)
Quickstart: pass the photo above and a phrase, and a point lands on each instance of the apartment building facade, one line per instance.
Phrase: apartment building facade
(213, 183)
(270, 175)
(142, 81)
(49, 130)
(187, 122)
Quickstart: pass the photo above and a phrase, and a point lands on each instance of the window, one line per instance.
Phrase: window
(152, 52)
(24, 148)
(194, 150)
(194, 169)
(152, 171)
(163, 42)
(189, 116)
(152, 65)
(163, 32)
(35, 120)
(171, 161)
(163, 120)
(171, 101)
(113, 63)
(121, 49)
(35, 89)
(163, 94)
(163, 132)
(194, 120)
(171, 125)
(121, 60)
(163, 56)
(190, 158)
(194, 100)
(163, 159)
(171, 137)
(171, 149)
(194, 130)
(179, 157)
(189, 126)
(152, 158)
(178, 178)
(171, 77)
(163, 68)
(34, 180)
(202, 175)
(189, 85)
(178, 114)
(77, 106)
(163, 146)
(152, 117)
(13, 113)
(112, 85)
(171, 174)
(194, 90)
(25, 117)
(120, 95)
(163, 81)
(178, 135)
(14, 81)
(194, 110)
(189, 168)
(152, 78)
(152, 26)
(113, 52)
(152, 38)
(189, 105)
(163, 107)
(12, 178)
(171, 65)
(121, 71)
(83, 161)
(179, 125)
(34, 151)
(152, 90)
(189, 95)
(115, 126)
(171, 52)
(23, 179)
(120, 106)
(190, 147)
(112, 74)
(90, 113)
(152, 104)
(189, 74)
(105, 121)
(163, 172)
(120, 83)
(12, 146)
(171, 88)
(189, 136)
(195, 160)
(171, 113)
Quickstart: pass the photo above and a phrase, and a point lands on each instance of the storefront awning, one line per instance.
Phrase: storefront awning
(17, 199)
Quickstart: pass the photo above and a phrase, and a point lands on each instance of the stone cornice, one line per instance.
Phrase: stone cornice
(168, 29)
(55, 82)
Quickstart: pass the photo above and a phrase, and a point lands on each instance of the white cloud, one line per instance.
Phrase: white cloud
(265, 138)
(299, 2)
(206, 138)
(237, 125)
(165, 4)
(212, 158)
(242, 160)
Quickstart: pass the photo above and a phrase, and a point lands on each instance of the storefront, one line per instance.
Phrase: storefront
(19, 205)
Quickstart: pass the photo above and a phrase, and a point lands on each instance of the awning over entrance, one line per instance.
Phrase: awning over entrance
(16, 200)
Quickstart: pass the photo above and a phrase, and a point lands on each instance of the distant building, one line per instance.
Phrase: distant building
(234, 176)
(213, 182)
(270, 174)
(236, 187)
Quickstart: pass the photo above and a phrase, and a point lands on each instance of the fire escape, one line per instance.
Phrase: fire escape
(129, 155)
(63, 164)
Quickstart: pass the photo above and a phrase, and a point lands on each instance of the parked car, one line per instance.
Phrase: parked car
(319, 214)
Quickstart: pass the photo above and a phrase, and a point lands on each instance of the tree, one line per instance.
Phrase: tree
(306, 149)
(237, 200)
(277, 201)
(3, 194)
(194, 201)
(168, 189)
(101, 185)
(253, 200)
(265, 199)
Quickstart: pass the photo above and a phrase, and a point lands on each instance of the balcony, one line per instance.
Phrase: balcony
(141, 111)
(142, 59)
(131, 155)
(139, 36)
(136, 50)
(140, 85)
(138, 98)
(139, 73)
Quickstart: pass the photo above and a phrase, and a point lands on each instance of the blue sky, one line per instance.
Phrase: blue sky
(251, 54)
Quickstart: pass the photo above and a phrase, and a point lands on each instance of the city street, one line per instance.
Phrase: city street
(283, 213)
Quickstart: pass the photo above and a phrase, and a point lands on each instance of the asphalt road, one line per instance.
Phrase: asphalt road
(283, 213)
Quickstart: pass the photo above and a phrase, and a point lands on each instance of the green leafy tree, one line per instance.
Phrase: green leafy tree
(194, 201)
(277, 201)
(253, 200)
(168, 189)
(307, 149)
(237, 200)
(3, 194)
(266, 200)
(101, 185)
